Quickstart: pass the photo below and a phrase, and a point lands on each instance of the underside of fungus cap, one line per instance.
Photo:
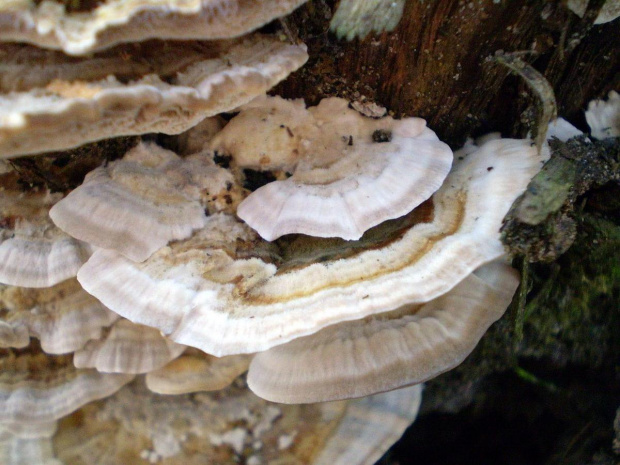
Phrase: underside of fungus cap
(65, 106)
(63, 317)
(196, 371)
(140, 203)
(603, 116)
(34, 252)
(387, 351)
(351, 172)
(38, 388)
(225, 292)
(51, 24)
(128, 348)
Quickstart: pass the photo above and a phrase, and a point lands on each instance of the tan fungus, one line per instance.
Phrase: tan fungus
(121, 96)
(196, 371)
(128, 348)
(140, 203)
(349, 172)
(34, 252)
(232, 426)
(40, 388)
(48, 24)
(63, 317)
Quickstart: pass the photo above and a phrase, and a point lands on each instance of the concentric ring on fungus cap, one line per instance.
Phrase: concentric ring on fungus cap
(224, 291)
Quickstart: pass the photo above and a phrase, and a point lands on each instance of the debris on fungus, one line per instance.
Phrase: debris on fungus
(347, 169)
(150, 189)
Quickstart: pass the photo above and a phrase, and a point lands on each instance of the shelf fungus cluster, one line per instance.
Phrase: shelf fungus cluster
(330, 255)
(399, 285)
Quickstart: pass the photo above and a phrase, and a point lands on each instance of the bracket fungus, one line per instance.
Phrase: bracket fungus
(347, 169)
(182, 84)
(28, 445)
(233, 426)
(63, 317)
(34, 252)
(211, 293)
(128, 348)
(38, 388)
(49, 24)
(196, 371)
(150, 189)
(406, 346)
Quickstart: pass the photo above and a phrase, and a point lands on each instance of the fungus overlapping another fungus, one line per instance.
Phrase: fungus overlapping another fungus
(140, 203)
(49, 24)
(34, 252)
(349, 172)
(128, 348)
(63, 317)
(196, 371)
(225, 292)
(403, 347)
(233, 426)
(37, 388)
(155, 87)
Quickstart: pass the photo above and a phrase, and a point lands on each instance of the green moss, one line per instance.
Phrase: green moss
(573, 314)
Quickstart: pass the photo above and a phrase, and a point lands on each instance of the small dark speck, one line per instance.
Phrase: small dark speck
(61, 161)
(460, 158)
(490, 168)
(282, 126)
(207, 212)
(228, 199)
(222, 160)
(289, 132)
(251, 317)
(228, 186)
(350, 140)
(255, 179)
(382, 135)
(365, 297)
